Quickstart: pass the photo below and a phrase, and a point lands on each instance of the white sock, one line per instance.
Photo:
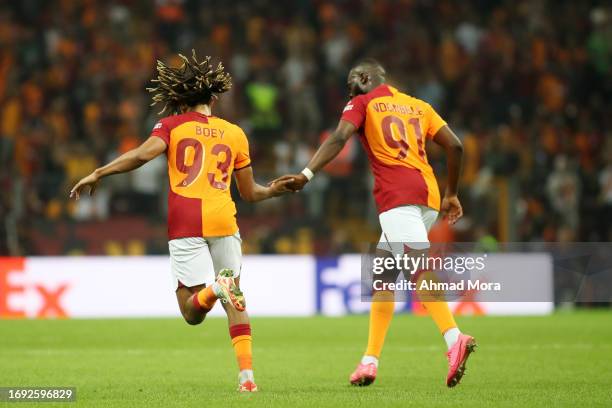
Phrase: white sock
(451, 336)
(246, 375)
(369, 360)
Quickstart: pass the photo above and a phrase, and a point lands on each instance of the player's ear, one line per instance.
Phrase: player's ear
(364, 78)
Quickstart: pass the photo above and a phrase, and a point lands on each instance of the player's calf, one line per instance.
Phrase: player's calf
(198, 304)
(193, 314)
(195, 302)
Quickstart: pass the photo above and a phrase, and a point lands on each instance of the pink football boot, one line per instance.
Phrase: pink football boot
(364, 374)
(457, 357)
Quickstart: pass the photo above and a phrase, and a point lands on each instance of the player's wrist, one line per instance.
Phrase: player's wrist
(450, 193)
(309, 174)
(274, 192)
(98, 173)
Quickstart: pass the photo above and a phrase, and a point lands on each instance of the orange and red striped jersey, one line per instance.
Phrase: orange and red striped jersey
(393, 127)
(202, 153)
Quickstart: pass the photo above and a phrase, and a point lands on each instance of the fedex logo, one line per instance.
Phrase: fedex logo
(339, 287)
(20, 298)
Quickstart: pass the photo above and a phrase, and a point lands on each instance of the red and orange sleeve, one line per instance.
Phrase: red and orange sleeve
(355, 111)
(435, 121)
(243, 158)
(162, 131)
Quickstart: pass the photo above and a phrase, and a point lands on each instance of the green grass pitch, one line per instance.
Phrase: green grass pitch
(559, 360)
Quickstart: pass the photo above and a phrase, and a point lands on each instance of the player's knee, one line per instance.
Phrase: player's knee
(193, 320)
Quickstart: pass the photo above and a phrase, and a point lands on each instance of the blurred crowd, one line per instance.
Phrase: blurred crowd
(526, 84)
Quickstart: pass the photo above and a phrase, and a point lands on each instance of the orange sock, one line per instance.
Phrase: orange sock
(242, 342)
(381, 314)
(441, 315)
(205, 299)
(438, 309)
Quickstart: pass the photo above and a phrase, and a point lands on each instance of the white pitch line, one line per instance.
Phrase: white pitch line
(221, 350)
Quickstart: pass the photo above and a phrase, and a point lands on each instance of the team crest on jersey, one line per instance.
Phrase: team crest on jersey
(158, 125)
(348, 107)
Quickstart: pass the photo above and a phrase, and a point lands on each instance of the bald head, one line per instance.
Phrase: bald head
(365, 76)
(371, 67)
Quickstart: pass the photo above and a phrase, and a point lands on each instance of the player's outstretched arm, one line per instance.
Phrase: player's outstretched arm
(328, 150)
(451, 206)
(128, 161)
(251, 191)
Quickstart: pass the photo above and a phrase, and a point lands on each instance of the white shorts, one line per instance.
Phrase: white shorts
(406, 225)
(196, 260)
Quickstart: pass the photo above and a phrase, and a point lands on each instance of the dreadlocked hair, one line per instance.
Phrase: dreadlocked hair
(194, 82)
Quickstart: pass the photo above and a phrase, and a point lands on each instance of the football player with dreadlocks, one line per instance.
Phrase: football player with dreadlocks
(203, 151)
